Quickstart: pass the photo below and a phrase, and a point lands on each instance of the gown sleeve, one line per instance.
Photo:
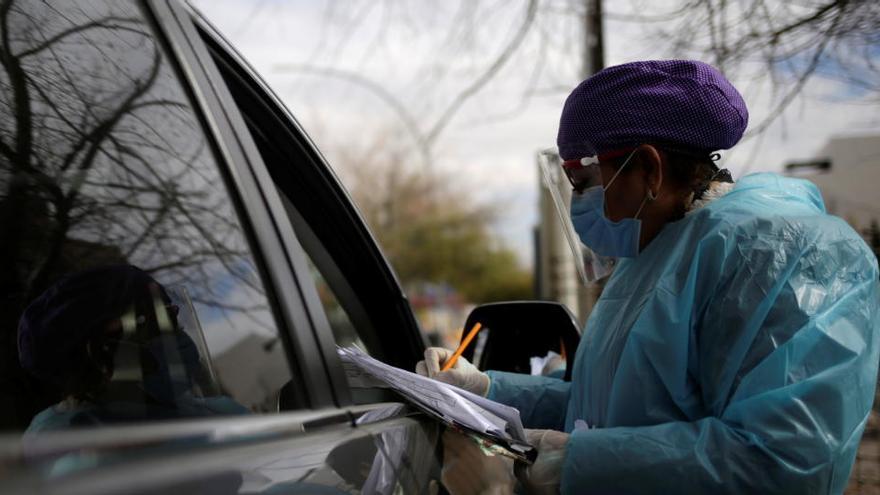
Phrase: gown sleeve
(542, 401)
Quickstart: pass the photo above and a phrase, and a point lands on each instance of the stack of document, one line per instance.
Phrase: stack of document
(500, 425)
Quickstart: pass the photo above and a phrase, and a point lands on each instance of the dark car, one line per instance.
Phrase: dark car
(179, 264)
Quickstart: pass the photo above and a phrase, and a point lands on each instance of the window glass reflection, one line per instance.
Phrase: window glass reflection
(104, 169)
(344, 332)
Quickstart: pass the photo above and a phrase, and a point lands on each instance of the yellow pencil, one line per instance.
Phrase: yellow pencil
(464, 343)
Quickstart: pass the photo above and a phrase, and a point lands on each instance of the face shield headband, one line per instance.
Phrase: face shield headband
(584, 173)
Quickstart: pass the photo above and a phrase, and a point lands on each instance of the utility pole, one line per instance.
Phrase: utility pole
(594, 47)
(594, 61)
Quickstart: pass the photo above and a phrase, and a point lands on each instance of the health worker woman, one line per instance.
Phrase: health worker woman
(734, 348)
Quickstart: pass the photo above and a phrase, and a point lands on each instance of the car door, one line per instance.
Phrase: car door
(349, 287)
(123, 146)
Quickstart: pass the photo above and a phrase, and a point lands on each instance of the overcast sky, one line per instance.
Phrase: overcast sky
(422, 53)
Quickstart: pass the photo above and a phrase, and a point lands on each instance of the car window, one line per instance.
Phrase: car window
(343, 305)
(337, 297)
(344, 332)
(361, 296)
(129, 290)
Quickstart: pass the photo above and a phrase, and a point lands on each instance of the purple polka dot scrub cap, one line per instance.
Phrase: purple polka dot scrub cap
(678, 104)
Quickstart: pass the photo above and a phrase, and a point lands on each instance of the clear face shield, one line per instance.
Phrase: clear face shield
(560, 180)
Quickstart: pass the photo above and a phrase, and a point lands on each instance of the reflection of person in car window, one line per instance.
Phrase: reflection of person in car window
(109, 340)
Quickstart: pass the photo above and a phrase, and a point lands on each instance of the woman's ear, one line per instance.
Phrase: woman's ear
(652, 163)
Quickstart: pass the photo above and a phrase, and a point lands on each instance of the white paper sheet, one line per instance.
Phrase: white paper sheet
(449, 403)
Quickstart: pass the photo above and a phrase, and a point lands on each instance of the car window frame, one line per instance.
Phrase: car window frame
(333, 276)
(276, 251)
(404, 340)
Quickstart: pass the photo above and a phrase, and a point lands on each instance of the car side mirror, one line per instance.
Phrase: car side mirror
(514, 332)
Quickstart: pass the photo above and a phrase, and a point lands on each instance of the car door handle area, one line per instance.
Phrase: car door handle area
(332, 420)
(359, 415)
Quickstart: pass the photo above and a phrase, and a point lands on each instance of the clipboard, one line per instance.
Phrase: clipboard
(496, 427)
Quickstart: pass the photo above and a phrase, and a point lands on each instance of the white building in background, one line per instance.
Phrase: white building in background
(847, 171)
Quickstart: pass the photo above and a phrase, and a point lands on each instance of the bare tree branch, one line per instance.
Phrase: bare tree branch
(105, 23)
(487, 76)
(400, 109)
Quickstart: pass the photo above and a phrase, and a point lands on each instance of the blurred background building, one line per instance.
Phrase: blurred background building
(847, 171)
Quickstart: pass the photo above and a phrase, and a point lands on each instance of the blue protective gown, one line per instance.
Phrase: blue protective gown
(737, 353)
